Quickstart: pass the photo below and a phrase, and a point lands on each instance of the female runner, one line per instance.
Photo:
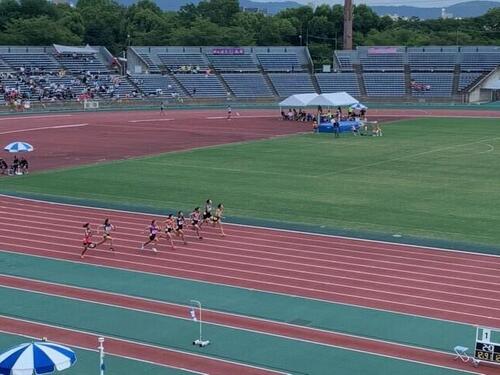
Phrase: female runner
(195, 218)
(169, 228)
(180, 221)
(107, 227)
(207, 212)
(153, 229)
(87, 239)
(217, 218)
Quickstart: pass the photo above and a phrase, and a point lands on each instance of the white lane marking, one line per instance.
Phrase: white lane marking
(490, 148)
(153, 120)
(214, 359)
(362, 351)
(44, 128)
(31, 117)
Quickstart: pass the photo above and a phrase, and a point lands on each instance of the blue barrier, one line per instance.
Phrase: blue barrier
(345, 126)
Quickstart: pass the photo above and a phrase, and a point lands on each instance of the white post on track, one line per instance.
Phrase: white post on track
(101, 354)
(200, 340)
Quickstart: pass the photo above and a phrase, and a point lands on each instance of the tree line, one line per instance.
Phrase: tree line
(221, 22)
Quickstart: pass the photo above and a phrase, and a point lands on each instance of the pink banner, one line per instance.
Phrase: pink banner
(228, 51)
(383, 50)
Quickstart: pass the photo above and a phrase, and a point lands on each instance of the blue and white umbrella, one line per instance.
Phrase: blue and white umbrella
(19, 147)
(359, 106)
(36, 358)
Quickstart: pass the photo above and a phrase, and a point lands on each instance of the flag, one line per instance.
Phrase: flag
(192, 313)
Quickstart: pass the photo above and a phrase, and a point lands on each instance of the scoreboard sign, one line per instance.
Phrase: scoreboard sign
(487, 349)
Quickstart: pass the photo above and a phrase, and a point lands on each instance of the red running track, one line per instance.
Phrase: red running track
(129, 349)
(71, 139)
(413, 280)
(239, 322)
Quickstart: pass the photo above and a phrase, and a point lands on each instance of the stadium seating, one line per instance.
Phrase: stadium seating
(152, 67)
(480, 62)
(430, 61)
(467, 78)
(279, 62)
(345, 63)
(156, 85)
(67, 81)
(4, 67)
(440, 84)
(233, 63)
(383, 62)
(287, 84)
(82, 63)
(333, 82)
(174, 61)
(384, 84)
(31, 60)
(248, 85)
(206, 85)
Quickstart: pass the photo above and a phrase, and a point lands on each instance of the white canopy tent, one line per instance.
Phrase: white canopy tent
(334, 99)
(298, 100)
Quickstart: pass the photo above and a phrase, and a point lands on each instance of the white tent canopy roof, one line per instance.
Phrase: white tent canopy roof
(298, 100)
(70, 49)
(495, 85)
(334, 99)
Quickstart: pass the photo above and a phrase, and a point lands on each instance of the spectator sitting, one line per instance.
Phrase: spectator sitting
(15, 165)
(283, 115)
(3, 166)
(23, 166)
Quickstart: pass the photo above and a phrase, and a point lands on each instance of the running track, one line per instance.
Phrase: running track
(414, 280)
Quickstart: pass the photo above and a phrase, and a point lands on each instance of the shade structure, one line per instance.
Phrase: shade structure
(359, 106)
(19, 147)
(334, 99)
(298, 100)
(36, 358)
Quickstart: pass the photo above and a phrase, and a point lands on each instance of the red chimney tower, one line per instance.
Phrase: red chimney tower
(348, 15)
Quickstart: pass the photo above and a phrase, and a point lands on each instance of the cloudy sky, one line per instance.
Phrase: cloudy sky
(419, 3)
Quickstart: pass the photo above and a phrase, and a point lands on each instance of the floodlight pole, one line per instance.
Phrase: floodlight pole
(200, 340)
(101, 354)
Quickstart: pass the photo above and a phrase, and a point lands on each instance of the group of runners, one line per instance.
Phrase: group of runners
(173, 225)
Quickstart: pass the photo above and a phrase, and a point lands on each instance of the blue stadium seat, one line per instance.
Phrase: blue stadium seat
(384, 84)
(250, 85)
(292, 83)
(334, 82)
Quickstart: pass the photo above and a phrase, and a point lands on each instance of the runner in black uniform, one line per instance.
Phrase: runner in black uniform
(195, 218)
(180, 221)
(207, 212)
(153, 230)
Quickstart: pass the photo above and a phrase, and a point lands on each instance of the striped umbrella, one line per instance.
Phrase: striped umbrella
(359, 106)
(19, 147)
(36, 358)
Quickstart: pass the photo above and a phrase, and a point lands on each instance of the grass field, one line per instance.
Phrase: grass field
(431, 178)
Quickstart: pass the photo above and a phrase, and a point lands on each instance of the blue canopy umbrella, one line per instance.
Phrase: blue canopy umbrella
(19, 147)
(36, 358)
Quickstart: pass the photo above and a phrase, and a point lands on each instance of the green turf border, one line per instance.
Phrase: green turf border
(275, 224)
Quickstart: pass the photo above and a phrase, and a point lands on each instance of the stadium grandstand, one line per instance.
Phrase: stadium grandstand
(218, 73)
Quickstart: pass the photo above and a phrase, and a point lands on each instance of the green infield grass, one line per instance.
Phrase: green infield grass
(430, 178)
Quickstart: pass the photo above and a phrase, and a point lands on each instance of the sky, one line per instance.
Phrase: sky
(418, 3)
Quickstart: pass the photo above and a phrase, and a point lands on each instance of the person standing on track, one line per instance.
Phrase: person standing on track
(195, 218)
(179, 230)
(169, 228)
(162, 108)
(217, 218)
(207, 212)
(87, 239)
(229, 112)
(153, 230)
(107, 228)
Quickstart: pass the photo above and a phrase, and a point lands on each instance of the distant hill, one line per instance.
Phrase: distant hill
(466, 9)
(270, 7)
